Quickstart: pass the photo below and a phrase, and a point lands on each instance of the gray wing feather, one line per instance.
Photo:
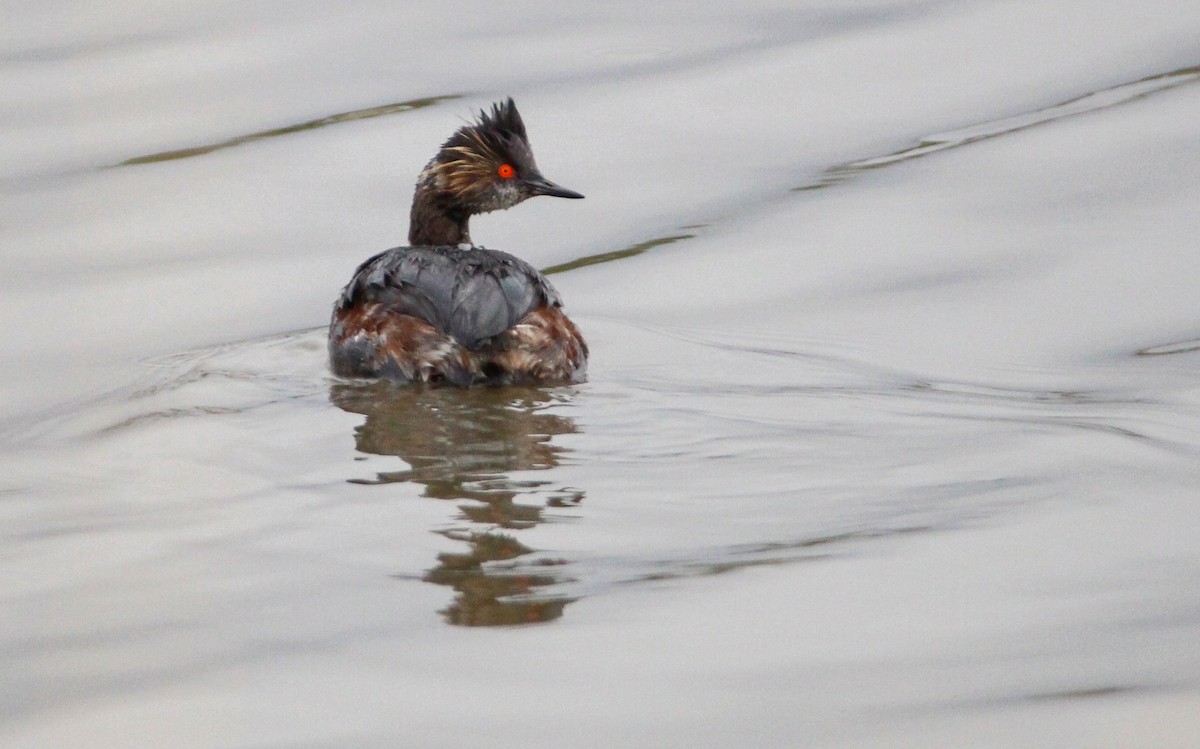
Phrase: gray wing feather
(470, 294)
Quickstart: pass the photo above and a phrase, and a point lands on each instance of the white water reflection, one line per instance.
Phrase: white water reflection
(876, 451)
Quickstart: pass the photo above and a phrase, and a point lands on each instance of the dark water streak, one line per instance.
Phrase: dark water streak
(333, 119)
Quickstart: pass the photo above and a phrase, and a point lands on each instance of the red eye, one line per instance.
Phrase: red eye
(506, 171)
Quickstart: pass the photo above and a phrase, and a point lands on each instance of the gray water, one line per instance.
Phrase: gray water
(892, 430)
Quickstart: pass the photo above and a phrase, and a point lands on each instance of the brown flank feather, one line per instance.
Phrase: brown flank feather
(545, 347)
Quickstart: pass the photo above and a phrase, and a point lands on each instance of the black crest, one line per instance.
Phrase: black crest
(497, 135)
(504, 120)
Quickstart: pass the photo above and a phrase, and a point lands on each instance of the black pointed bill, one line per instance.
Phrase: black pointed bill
(542, 186)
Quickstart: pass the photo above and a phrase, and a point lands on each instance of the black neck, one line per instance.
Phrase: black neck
(433, 222)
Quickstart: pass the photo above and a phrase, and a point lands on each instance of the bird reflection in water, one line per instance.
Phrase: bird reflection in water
(463, 444)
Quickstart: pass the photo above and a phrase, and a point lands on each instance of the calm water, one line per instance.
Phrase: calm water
(891, 437)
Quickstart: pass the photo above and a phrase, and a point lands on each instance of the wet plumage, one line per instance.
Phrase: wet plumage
(444, 311)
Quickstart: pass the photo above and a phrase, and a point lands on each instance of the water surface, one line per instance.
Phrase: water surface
(891, 436)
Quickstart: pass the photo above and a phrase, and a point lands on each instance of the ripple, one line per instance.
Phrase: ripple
(1090, 102)
(333, 119)
(1167, 349)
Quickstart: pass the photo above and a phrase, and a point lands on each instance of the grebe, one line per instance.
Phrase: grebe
(444, 310)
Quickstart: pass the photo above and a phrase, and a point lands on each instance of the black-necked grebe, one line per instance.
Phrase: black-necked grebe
(444, 310)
